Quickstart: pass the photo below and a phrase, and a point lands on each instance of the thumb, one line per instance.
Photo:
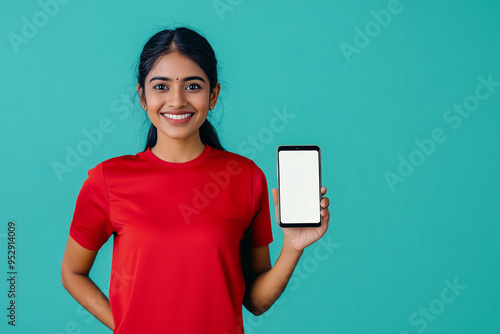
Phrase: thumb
(275, 196)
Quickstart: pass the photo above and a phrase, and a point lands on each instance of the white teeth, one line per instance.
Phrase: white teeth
(172, 116)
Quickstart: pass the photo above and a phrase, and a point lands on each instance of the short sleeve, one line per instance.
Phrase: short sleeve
(259, 233)
(91, 226)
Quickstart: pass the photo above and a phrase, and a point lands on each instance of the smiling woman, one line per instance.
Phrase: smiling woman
(157, 68)
(172, 102)
(191, 221)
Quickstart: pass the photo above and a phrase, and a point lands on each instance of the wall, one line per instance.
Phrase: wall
(402, 96)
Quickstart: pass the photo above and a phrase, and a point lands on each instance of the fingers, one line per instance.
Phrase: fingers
(325, 218)
(324, 212)
(325, 202)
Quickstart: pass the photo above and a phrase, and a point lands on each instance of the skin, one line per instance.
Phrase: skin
(181, 143)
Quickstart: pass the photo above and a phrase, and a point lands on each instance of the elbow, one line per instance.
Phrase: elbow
(66, 276)
(257, 312)
(64, 280)
(256, 308)
(70, 277)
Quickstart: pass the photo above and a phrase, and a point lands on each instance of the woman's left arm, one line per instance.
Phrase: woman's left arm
(265, 283)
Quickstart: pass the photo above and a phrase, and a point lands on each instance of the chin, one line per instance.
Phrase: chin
(177, 134)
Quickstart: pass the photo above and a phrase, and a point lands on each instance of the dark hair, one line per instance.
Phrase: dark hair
(192, 45)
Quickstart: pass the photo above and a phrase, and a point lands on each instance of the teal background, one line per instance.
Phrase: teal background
(391, 250)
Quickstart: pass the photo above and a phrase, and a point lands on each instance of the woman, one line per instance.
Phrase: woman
(191, 221)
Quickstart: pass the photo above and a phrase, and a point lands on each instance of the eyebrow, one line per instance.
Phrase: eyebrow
(185, 79)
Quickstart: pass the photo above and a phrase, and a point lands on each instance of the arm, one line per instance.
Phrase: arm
(265, 283)
(76, 264)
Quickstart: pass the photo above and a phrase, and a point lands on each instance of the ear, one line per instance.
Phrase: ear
(140, 92)
(214, 94)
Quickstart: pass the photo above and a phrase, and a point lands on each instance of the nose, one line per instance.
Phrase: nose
(176, 98)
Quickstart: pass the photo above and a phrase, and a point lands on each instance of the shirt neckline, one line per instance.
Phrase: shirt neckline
(200, 158)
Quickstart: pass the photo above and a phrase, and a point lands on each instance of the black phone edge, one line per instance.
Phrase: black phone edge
(294, 148)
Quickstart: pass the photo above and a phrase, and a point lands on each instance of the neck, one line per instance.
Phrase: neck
(178, 150)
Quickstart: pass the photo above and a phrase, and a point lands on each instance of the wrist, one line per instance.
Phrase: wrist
(289, 248)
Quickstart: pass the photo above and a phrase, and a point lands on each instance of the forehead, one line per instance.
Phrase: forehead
(176, 65)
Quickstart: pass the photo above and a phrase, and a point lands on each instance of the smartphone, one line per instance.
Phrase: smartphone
(299, 185)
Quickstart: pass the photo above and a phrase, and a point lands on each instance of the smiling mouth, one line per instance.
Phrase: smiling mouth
(178, 116)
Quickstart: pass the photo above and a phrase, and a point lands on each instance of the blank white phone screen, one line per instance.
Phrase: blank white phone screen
(299, 186)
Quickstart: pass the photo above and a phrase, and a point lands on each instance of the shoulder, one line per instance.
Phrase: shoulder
(124, 159)
(233, 160)
(244, 167)
(122, 162)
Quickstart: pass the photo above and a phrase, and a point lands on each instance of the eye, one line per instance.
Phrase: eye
(193, 86)
(160, 87)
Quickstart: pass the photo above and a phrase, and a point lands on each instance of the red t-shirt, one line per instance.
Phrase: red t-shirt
(178, 228)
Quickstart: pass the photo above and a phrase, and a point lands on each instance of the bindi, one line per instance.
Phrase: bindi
(176, 78)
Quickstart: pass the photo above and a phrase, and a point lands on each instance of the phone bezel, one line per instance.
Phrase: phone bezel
(297, 148)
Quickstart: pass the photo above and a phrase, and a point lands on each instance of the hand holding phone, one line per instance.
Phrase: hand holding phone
(299, 185)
